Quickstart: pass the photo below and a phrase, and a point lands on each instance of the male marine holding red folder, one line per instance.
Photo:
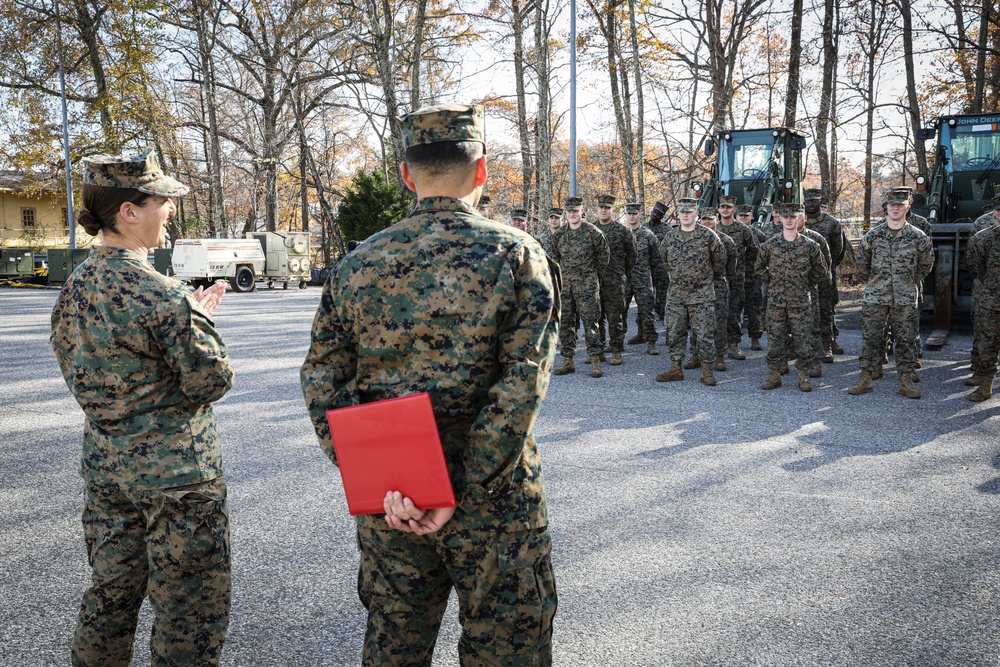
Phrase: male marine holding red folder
(451, 303)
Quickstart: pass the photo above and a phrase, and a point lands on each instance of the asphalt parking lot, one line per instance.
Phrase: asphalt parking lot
(691, 525)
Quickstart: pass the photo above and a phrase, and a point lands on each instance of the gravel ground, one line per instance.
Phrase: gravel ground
(691, 525)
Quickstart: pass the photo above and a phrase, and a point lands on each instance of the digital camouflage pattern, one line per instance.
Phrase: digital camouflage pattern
(144, 361)
(985, 221)
(545, 240)
(648, 269)
(450, 303)
(817, 340)
(141, 172)
(582, 255)
(694, 260)
(445, 122)
(621, 244)
(746, 248)
(790, 269)
(894, 266)
(661, 285)
(983, 259)
(753, 291)
(833, 234)
(722, 295)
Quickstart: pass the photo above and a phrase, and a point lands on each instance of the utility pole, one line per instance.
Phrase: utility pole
(572, 98)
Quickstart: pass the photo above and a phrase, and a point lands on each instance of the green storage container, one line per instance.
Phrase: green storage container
(161, 260)
(16, 262)
(62, 261)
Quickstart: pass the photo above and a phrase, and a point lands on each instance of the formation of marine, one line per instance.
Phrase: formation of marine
(712, 278)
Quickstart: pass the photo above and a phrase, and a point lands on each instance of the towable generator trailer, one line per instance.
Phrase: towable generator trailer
(203, 261)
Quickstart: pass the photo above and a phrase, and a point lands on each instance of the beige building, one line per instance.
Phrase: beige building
(34, 214)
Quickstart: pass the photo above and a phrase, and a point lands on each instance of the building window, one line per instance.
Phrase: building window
(64, 217)
(27, 218)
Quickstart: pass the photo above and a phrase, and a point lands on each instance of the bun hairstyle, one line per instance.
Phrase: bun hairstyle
(101, 205)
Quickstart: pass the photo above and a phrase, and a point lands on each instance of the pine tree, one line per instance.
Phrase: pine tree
(370, 205)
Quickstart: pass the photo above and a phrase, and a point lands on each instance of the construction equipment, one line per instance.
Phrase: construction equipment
(759, 167)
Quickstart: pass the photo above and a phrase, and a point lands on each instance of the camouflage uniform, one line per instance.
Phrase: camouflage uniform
(746, 248)
(648, 269)
(753, 293)
(985, 221)
(465, 309)
(144, 361)
(694, 260)
(790, 269)
(582, 254)
(722, 296)
(833, 234)
(662, 284)
(894, 265)
(545, 240)
(983, 259)
(816, 289)
(621, 244)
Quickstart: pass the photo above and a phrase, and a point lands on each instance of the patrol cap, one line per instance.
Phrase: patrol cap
(708, 212)
(727, 200)
(744, 209)
(606, 200)
(898, 196)
(445, 122)
(687, 204)
(812, 193)
(141, 172)
(792, 208)
(555, 211)
(519, 213)
(633, 207)
(661, 207)
(484, 201)
(574, 203)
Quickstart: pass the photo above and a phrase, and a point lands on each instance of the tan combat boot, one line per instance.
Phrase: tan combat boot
(773, 381)
(675, 373)
(879, 373)
(566, 368)
(720, 364)
(835, 347)
(595, 369)
(736, 353)
(637, 338)
(827, 357)
(804, 383)
(784, 368)
(906, 387)
(983, 391)
(755, 344)
(863, 385)
(616, 359)
(914, 376)
(693, 362)
(816, 370)
(707, 376)
(975, 380)
(651, 348)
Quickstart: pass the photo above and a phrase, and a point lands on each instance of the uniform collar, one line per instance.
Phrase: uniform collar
(443, 204)
(110, 252)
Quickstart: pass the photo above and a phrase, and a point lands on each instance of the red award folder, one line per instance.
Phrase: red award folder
(390, 445)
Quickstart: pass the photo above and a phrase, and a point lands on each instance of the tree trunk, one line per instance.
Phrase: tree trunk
(610, 29)
(984, 34)
(543, 129)
(88, 26)
(217, 209)
(382, 26)
(517, 24)
(794, 58)
(640, 117)
(870, 57)
(826, 100)
(418, 48)
(919, 150)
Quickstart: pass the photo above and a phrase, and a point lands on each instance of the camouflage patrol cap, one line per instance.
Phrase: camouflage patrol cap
(792, 208)
(555, 211)
(606, 200)
(898, 196)
(727, 200)
(812, 193)
(519, 213)
(633, 207)
(709, 212)
(141, 172)
(574, 203)
(445, 122)
(687, 204)
(744, 209)
(660, 206)
(484, 201)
